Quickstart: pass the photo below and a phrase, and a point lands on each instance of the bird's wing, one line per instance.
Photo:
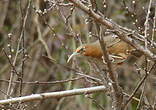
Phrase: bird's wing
(111, 40)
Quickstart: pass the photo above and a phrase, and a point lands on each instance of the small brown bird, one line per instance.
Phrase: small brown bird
(118, 50)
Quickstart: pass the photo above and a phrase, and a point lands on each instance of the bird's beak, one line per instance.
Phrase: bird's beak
(72, 55)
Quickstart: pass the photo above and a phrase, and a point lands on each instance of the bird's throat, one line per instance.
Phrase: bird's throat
(94, 50)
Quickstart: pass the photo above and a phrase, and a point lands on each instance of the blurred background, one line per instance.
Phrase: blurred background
(32, 32)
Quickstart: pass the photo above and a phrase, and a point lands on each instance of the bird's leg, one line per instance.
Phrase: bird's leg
(120, 58)
(103, 60)
(114, 58)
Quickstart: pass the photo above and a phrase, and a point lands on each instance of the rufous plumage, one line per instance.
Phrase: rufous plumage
(118, 50)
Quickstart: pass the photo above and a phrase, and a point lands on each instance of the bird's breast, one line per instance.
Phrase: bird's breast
(93, 51)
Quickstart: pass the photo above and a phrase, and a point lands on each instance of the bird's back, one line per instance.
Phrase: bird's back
(115, 47)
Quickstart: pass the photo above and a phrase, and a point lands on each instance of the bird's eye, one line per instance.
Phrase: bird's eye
(81, 50)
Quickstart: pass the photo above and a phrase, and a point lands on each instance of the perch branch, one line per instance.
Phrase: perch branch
(58, 94)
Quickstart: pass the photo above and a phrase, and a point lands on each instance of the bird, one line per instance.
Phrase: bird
(117, 49)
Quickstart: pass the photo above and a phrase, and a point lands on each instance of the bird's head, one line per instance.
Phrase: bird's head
(92, 50)
(81, 50)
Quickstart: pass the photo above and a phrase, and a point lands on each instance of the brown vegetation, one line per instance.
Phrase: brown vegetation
(38, 36)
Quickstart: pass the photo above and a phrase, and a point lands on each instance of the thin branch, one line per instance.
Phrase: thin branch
(141, 96)
(13, 70)
(77, 72)
(144, 85)
(136, 89)
(5, 93)
(23, 19)
(58, 94)
(134, 98)
(147, 24)
(139, 85)
(117, 93)
(154, 26)
(12, 65)
(40, 37)
(42, 83)
(96, 103)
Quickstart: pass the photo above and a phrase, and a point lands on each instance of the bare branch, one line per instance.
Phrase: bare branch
(147, 23)
(42, 83)
(53, 95)
(117, 93)
(139, 85)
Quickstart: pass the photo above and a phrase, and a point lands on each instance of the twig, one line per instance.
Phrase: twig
(24, 19)
(141, 96)
(42, 83)
(10, 60)
(13, 67)
(97, 104)
(144, 84)
(132, 14)
(136, 89)
(77, 72)
(41, 39)
(5, 93)
(58, 94)
(147, 24)
(139, 85)
(134, 98)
